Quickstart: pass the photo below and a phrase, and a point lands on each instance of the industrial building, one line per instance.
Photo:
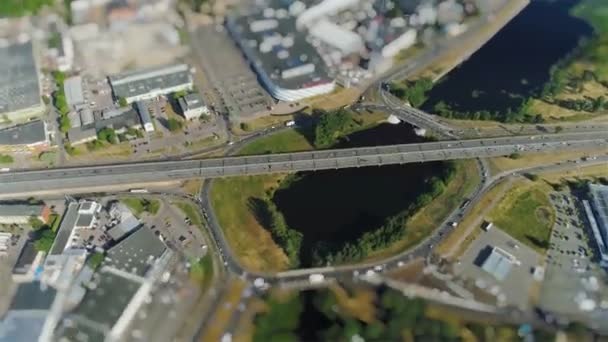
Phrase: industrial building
(150, 83)
(287, 65)
(119, 289)
(596, 209)
(74, 93)
(21, 213)
(498, 262)
(192, 106)
(24, 136)
(145, 109)
(19, 85)
(119, 119)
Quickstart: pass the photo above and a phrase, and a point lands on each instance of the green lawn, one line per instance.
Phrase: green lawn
(140, 205)
(526, 215)
(250, 241)
(201, 271)
(286, 141)
(191, 212)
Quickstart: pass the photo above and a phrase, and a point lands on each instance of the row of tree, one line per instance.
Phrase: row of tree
(395, 317)
(591, 105)
(522, 113)
(60, 102)
(390, 232)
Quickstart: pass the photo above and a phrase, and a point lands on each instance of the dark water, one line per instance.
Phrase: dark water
(337, 206)
(515, 63)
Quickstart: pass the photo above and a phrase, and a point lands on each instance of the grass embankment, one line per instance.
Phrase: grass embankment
(580, 81)
(285, 141)
(140, 205)
(250, 241)
(431, 216)
(526, 214)
(191, 212)
(502, 164)
(201, 271)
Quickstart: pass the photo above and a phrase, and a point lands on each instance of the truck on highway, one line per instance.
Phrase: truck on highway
(138, 191)
(316, 278)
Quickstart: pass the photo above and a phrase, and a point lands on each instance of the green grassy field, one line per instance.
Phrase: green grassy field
(252, 243)
(595, 12)
(285, 141)
(527, 215)
(201, 271)
(140, 205)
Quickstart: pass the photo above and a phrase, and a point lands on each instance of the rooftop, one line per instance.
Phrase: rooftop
(33, 296)
(26, 258)
(277, 47)
(140, 82)
(21, 209)
(193, 101)
(65, 229)
(498, 263)
(19, 86)
(26, 134)
(137, 252)
(73, 91)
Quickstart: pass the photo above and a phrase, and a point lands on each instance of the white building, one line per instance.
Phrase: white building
(192, 106)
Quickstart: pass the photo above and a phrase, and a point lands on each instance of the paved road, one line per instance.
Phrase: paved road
(33, 181)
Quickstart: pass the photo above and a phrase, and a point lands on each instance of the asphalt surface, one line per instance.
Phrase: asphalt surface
(32, 181)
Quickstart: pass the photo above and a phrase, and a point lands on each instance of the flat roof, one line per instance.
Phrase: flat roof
(26, 258)
(127, 224)
(136, 253)
(191, 101)
(84, 220)
(19, 86)
(140, 82)
(65, 229)
(143, 107)
(73, 90)
(31, 296)
(498, 263)
(599, 194)
(285, 49)
(21, 209)
(33, 132)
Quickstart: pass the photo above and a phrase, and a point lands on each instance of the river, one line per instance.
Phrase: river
(337, 206)
(515, 63)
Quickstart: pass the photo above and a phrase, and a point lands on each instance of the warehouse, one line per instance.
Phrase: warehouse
(150, 83)
(19, 85)
(21, 213)
(597, 214)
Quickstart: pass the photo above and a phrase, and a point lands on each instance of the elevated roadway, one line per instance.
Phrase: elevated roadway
(32, 181)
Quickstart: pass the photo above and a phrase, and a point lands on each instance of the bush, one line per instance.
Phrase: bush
(245, 126)
(6, 159)
(413, 92)
(94, 145)
(514, 155)
(331, 126)
(123, 102)
(174, 125)
(43, 240)
(107, 134)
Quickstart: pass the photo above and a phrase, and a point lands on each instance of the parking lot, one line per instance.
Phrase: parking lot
(177, 230)
(573, 283)
(515, 288)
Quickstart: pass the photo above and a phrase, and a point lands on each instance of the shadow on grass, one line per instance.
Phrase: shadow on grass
(544, 244)
(259, 209)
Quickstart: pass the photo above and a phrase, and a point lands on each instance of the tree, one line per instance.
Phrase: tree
(245, 126)
(107, 134)
(558, 129)
(174, 125)
(43, 240)
(515, 155)
(64, 124)
(179, 94)
(35, 222)
(331, 126)
(123, 102)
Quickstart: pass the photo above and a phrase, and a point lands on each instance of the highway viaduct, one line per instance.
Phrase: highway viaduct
(32, 181)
